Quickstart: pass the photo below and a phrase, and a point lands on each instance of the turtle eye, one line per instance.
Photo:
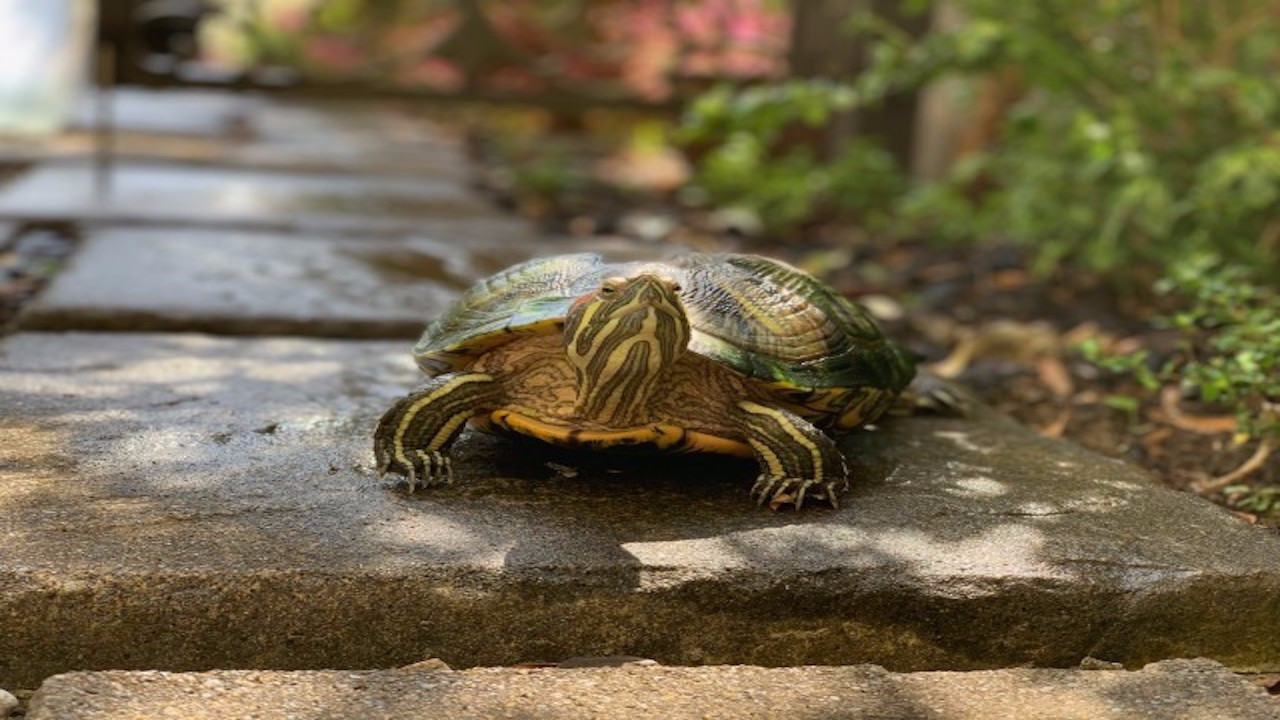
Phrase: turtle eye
(607, 290)
(611, 286)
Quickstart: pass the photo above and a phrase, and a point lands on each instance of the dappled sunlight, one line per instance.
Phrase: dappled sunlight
(188, 422)
(37, 453)
(978, 486)
(212, 456)
(1008, 550)
(962, 440)
(447, 539)
(699, 556)
(232, 197)
(243, 197)
(1175, 690)
(1124, 485)
(1181, 690)
(281, 425)
(176, 448)
(209, 300)
(303, 372)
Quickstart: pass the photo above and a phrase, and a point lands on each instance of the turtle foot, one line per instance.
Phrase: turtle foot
(779, 492)
(426, 468)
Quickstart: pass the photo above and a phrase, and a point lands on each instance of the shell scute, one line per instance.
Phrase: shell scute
(760, 317)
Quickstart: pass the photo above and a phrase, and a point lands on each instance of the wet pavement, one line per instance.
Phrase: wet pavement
(173, 500)
(231, 198)
(213, 495)
(262, 283)
(252, 131)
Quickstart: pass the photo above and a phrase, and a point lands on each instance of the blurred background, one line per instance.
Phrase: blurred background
(1073, 207)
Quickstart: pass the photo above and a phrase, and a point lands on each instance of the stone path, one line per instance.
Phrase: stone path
(215, 495)
(178, 501)
(1175, 690)
(229, 198)
(262, 283)
(250, 131)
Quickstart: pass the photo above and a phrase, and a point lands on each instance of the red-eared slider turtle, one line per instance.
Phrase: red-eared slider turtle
(733, 354)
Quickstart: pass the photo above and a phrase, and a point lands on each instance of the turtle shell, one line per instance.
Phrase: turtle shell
(760, 317)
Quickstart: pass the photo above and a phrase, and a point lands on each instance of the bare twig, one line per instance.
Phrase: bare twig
(1255, 461)
(1201, 424)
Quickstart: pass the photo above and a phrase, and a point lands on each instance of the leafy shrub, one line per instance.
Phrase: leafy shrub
(1229, 343)
(1148, 131)
(1145, 131)
(755, 157)
(1145, 137)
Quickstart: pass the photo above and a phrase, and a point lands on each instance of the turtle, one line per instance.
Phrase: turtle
(723, 353)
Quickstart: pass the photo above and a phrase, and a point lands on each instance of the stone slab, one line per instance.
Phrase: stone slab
(1171, 690)
(184, 502)
(268, 283)
(203, 112)
(174, 111)
(237, 199)
(252, 130)
(369, 136)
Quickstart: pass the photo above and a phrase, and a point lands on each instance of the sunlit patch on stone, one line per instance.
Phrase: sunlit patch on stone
(962, 439)
(981, 486)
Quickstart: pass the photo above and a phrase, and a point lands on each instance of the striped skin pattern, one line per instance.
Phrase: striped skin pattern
(731, 354)
(412, 436)
(619, 340)
(795, 457)
(539, 382)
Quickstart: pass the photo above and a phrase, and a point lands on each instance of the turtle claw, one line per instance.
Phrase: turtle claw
(425, 468)
(428, 468)
(779, 492)
(763, 489)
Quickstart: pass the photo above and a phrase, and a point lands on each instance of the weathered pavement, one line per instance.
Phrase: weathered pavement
(263, 283)
(176, 501)
(186, 502)
(1174, 690)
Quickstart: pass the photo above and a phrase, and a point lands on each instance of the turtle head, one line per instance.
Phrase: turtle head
(619, 338)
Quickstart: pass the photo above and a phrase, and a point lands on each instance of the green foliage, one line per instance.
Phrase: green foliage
(757, 157)
(1145, 131)
(1229, 343)
(1263, 500)
(1231, 339)
(1148, 130)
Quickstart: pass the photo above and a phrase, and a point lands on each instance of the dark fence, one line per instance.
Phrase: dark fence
(572, 53)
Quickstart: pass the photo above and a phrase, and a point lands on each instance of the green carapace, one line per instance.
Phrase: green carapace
(735, 354)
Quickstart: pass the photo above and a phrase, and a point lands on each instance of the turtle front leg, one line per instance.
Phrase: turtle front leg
(414, 434)
(797, 460)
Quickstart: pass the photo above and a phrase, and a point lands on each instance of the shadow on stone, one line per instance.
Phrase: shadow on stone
(148, 521)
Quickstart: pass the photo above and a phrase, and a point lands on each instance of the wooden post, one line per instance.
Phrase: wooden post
(822, 46)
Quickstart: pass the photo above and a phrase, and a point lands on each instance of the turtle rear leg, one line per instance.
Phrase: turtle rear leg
(414, 434)
(930, 393)
(797, 460)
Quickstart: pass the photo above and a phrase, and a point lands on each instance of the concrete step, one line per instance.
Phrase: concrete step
(182, 502)
(258, 283)
(1172, 690)
(237, 199)
(245, 130)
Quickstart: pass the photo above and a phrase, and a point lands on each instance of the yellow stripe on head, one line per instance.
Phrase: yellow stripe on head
(619, 339)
